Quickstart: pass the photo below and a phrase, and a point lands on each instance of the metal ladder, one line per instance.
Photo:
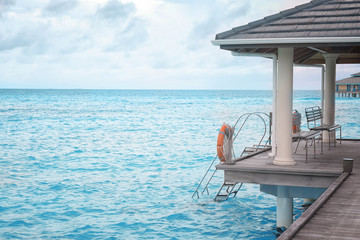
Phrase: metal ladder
(209, 174)
(228, 189)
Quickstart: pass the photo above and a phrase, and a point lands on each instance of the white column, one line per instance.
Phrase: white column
(329, 91)
(284, 107)
(284, 212)
(273, 134)
(322, 85)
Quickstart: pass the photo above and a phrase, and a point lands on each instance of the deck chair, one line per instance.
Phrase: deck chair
(314, 119)
(299, 135)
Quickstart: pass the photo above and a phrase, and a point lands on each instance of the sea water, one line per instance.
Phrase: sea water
(123, 164)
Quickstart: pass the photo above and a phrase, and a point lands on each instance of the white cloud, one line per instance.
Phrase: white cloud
(60, 6)
(131, 37)
(213, 19)
(5, 5)
(130, 44)
(20, 31)
(114, 10)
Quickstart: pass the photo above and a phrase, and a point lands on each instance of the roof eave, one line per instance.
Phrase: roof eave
(280, 41)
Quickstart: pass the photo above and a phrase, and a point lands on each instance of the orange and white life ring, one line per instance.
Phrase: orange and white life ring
(224, 130)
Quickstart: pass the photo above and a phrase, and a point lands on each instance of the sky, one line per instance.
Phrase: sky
(135, 44)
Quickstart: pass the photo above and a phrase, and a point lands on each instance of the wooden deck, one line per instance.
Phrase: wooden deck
(339, 216)
(321, 171)
(337, 211)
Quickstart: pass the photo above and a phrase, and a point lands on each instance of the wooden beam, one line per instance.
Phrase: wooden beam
(348, 55)
(318, 49)
(271, 50)
(341, 49)
(303, 55)
(339, 61)
(314, 61)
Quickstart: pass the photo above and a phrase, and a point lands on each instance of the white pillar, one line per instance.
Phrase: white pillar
(284, 107)
(284, 207)
(329, 91)
(273, 134)
(284, 212)
(322, 86)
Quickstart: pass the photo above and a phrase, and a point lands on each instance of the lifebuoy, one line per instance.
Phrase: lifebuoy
(224, 130)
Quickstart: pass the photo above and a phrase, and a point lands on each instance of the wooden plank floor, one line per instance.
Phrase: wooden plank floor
(330, 160)
(339, 217)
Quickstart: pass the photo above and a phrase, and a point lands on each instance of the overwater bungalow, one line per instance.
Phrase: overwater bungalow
(321, 33)
(349, 87)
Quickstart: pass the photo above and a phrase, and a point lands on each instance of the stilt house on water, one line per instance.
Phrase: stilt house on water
(321, 33)
(349, 87)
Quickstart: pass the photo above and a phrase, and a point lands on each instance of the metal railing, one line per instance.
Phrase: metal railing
(348, 91)
(260, 145)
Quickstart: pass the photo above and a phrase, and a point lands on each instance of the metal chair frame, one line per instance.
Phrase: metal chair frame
(314, 118)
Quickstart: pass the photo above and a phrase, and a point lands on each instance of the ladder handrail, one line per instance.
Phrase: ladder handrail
(199, 185)
(258, 114)
(248, 115)
(207, 184)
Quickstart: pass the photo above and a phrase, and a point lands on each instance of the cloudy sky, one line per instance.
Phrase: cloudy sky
(134, 44)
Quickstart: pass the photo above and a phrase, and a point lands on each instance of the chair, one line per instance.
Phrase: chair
(306, 136)
(314, 119)
(299, 135)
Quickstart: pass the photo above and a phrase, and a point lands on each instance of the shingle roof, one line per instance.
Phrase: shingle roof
(312, 29)
(319, 18)
(355, 79)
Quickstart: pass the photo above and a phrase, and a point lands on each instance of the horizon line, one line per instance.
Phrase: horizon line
(151, 89)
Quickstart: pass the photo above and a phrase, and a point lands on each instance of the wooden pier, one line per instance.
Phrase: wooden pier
(348, 94)
(336, 213)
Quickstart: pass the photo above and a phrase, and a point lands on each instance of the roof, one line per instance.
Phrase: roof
(354, 79)
(356, 74)
(320, 18)
(320, 26)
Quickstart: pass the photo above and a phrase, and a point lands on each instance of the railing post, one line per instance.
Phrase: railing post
(228, 147)
(348, 164)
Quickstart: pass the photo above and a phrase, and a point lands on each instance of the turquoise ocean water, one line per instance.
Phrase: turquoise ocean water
(123, 164)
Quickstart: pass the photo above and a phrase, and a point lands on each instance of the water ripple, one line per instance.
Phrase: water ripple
(93, 164)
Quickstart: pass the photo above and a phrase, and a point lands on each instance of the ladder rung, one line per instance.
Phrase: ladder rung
(222, 195)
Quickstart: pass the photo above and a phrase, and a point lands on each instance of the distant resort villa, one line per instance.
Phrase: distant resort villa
(349, 87)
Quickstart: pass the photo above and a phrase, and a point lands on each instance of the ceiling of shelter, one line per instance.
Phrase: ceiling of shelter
(307, 55)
